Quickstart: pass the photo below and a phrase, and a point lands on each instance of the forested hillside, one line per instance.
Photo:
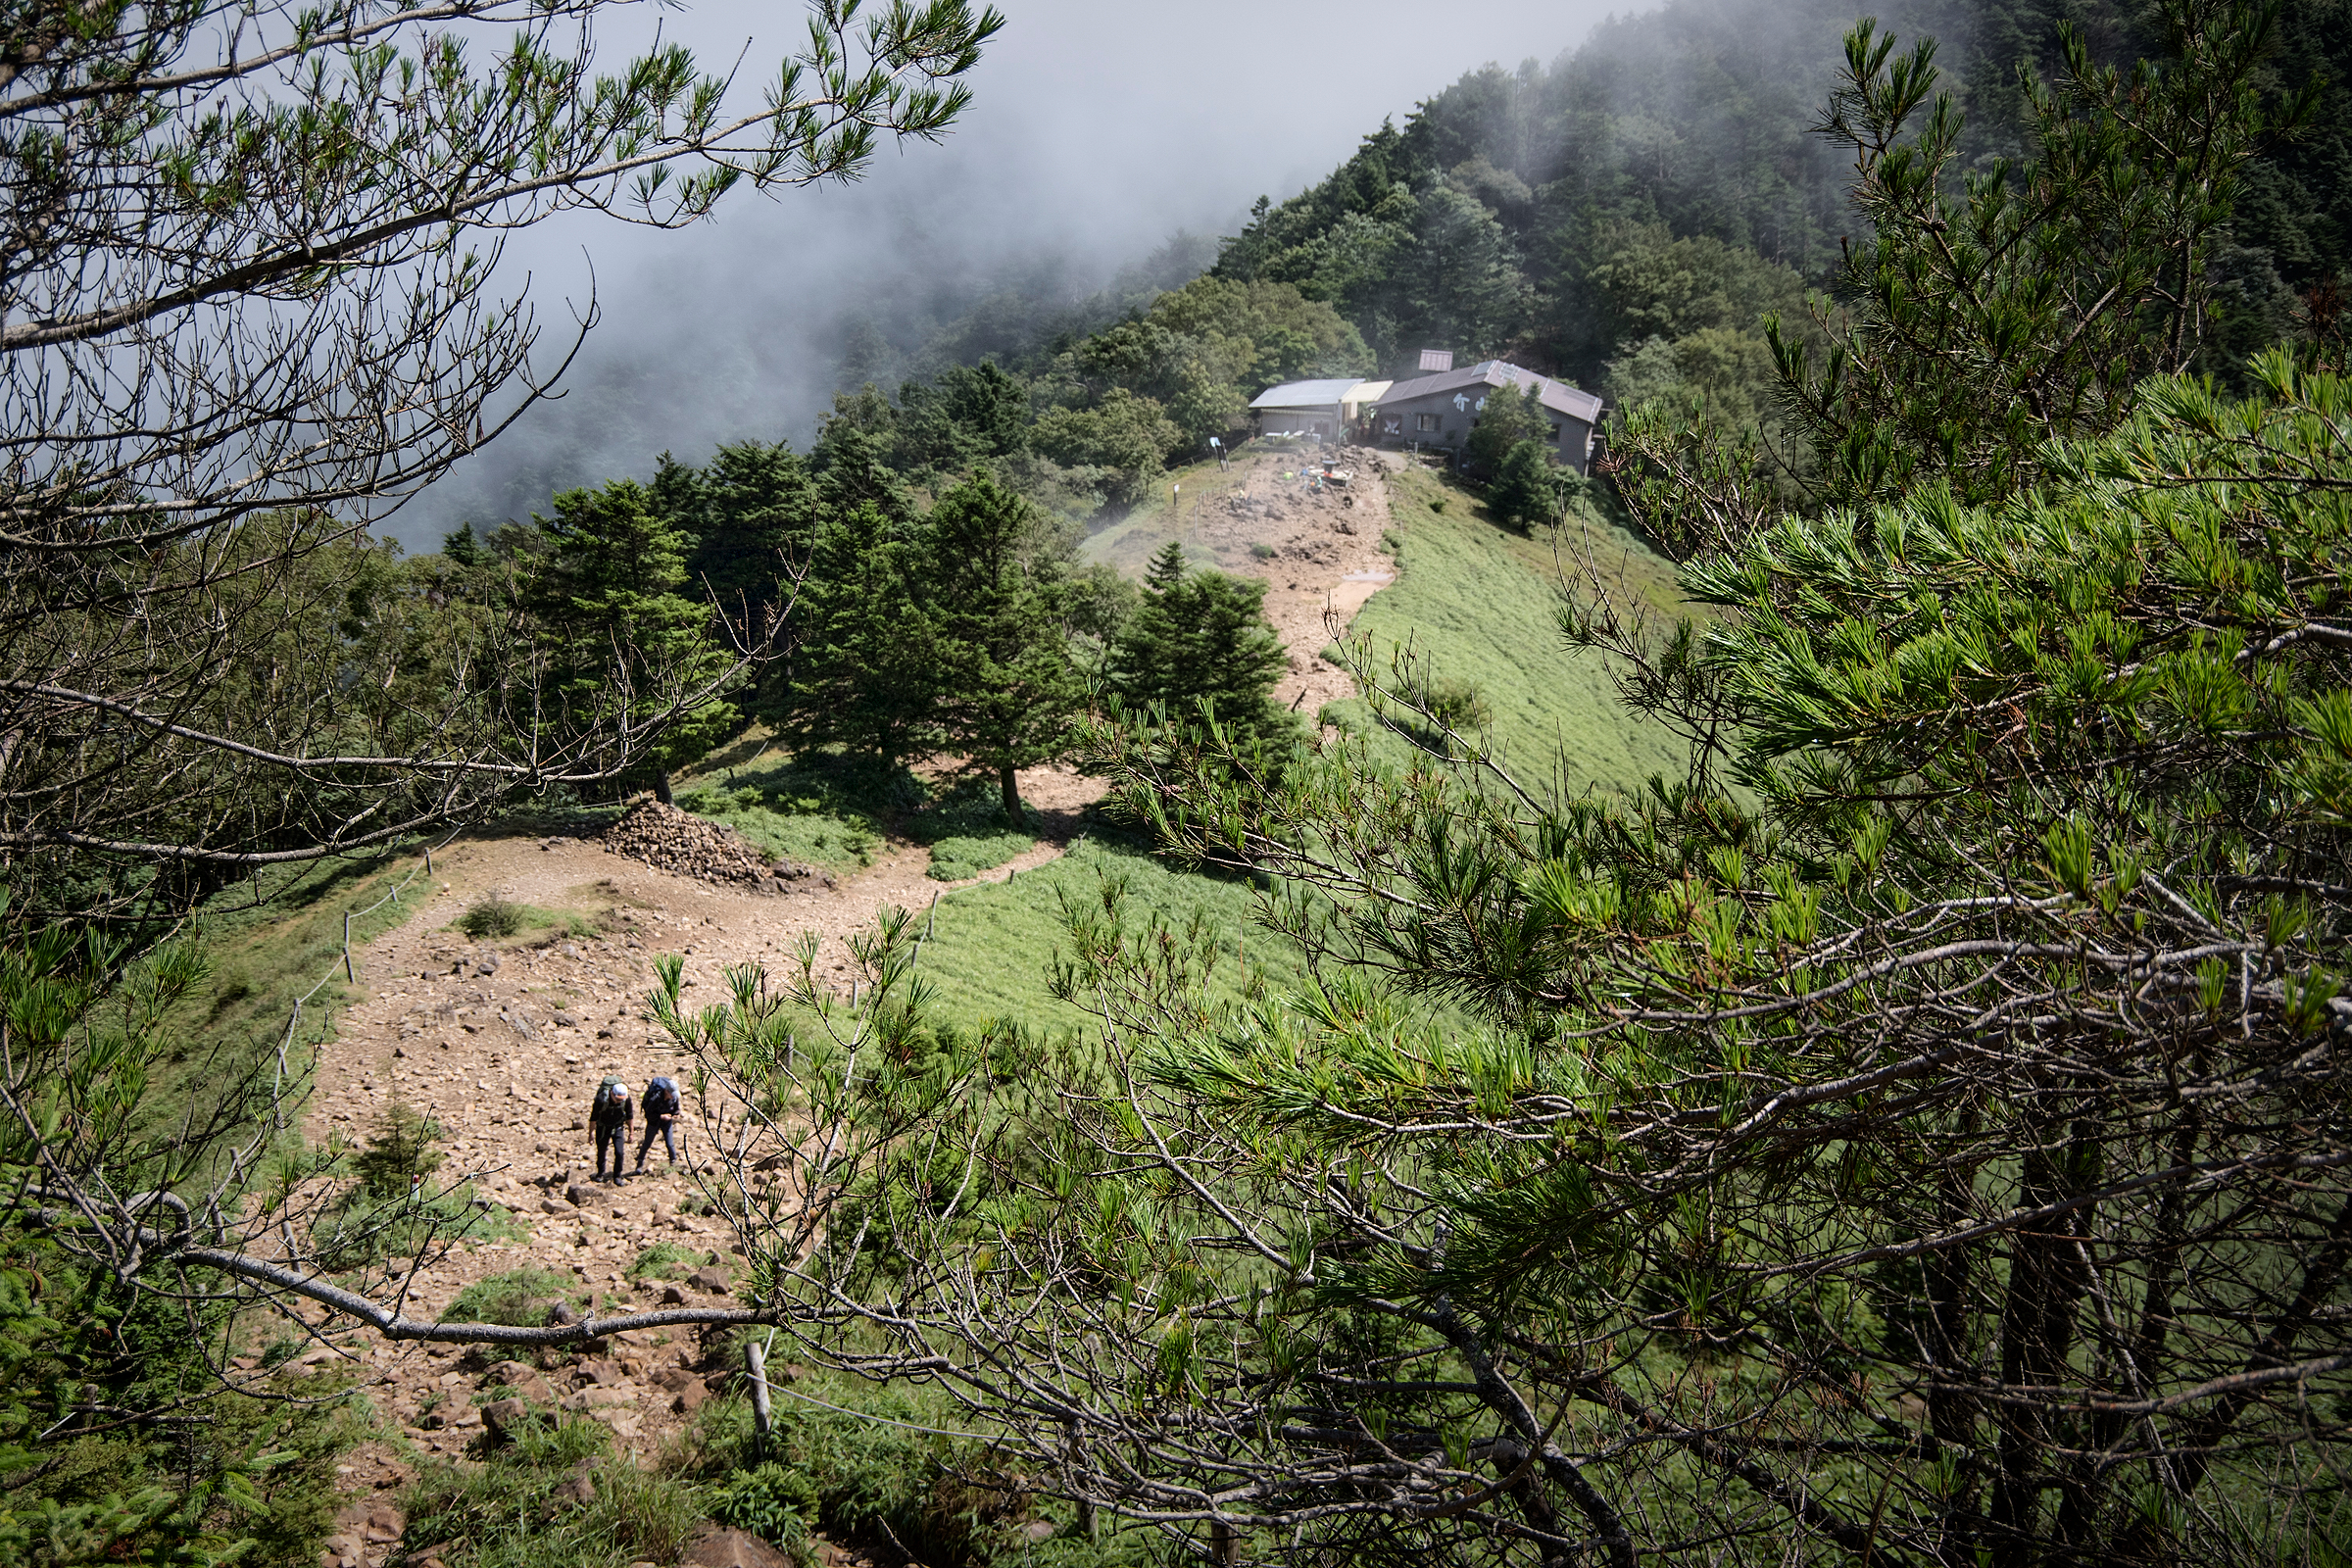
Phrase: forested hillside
(1626, 216)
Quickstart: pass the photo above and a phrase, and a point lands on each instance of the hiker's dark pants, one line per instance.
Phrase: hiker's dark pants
(617, 1135)
(670, 1139)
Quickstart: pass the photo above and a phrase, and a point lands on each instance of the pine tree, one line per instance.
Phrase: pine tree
(1527, 489)
(1009, 689)
(610, 590)
(757, 522)
(863, 674)
(1509, 420)
(1201, 641)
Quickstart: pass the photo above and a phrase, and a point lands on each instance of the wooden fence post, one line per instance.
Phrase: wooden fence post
(754, 1362)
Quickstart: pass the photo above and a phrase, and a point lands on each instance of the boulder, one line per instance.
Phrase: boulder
(713, 1280)
(689, 1399)
(602, 1399)
(671, 1295)
(522, 1381)
(720, 1547)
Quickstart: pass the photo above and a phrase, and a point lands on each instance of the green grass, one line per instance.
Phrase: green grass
(1481, 601)
(508, 1512)
(520, 1299)
(264, 954)
(268, 940)
(824, 812)
(966, 831)
(991, 946)
(665, 1260)
(833, 812)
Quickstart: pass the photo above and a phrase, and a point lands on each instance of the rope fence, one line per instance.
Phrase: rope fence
(349, 966)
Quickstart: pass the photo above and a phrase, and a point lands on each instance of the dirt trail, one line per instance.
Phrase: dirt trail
(503, 1044)
(1318, 549)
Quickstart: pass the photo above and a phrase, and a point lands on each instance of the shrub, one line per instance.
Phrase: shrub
(773, 1502)
(522, 1299)
(493, 916)
(1456, 703)
(664, 1260)
(1263, 550)
(507, 1513)
(400, 1153)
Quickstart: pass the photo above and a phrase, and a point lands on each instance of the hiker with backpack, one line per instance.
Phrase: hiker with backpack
(608, 1118)
(661, 1108)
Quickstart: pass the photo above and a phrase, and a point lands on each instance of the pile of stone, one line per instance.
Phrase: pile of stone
(686, 845)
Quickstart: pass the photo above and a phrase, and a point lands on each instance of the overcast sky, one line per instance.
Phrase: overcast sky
(1099, 127)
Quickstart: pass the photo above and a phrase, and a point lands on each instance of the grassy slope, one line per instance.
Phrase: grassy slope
(991, 946)
(264, 955)
(1130, 543)
(1480, 600)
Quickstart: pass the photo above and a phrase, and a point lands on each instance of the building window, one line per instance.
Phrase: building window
(1425, 421)
(1555, 432)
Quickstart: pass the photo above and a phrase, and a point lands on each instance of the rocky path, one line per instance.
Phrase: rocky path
(503, 1042)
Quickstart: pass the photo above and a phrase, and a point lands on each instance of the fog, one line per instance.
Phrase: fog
(1098, 131)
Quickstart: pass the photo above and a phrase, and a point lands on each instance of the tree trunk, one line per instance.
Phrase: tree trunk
(1010, 784)
(661, 785)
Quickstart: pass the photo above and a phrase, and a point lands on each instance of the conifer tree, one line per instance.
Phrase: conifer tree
(1526, 488)
(612, 592)
(1009, 689)
(755, 524)
(863, 674)
(1508, 420)
(1199, 640)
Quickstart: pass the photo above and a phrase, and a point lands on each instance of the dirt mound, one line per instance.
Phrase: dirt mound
(685, 845)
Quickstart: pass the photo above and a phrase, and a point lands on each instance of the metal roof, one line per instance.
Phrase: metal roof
(1557, 396)
(1305, 394)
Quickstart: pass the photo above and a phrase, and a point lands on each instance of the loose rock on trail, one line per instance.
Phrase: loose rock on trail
(692, 846)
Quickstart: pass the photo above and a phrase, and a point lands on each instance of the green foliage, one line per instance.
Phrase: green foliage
(520, 1299)
(863, 675)
(609, 590)
(510, 1510)
(1529, 490)
(968, 833)
(749, 516)
(855, 1475)
(493, 916)
(1854, 1049)
(664, 1260)
(770, 1500)
(2031, 304)
(1198, 643)
(1480, 604)
(1008, 689)
(1126, 437)
(992, 948)
(1508, 420)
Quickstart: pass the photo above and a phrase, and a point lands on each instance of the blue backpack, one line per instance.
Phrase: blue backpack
(662, 1098)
